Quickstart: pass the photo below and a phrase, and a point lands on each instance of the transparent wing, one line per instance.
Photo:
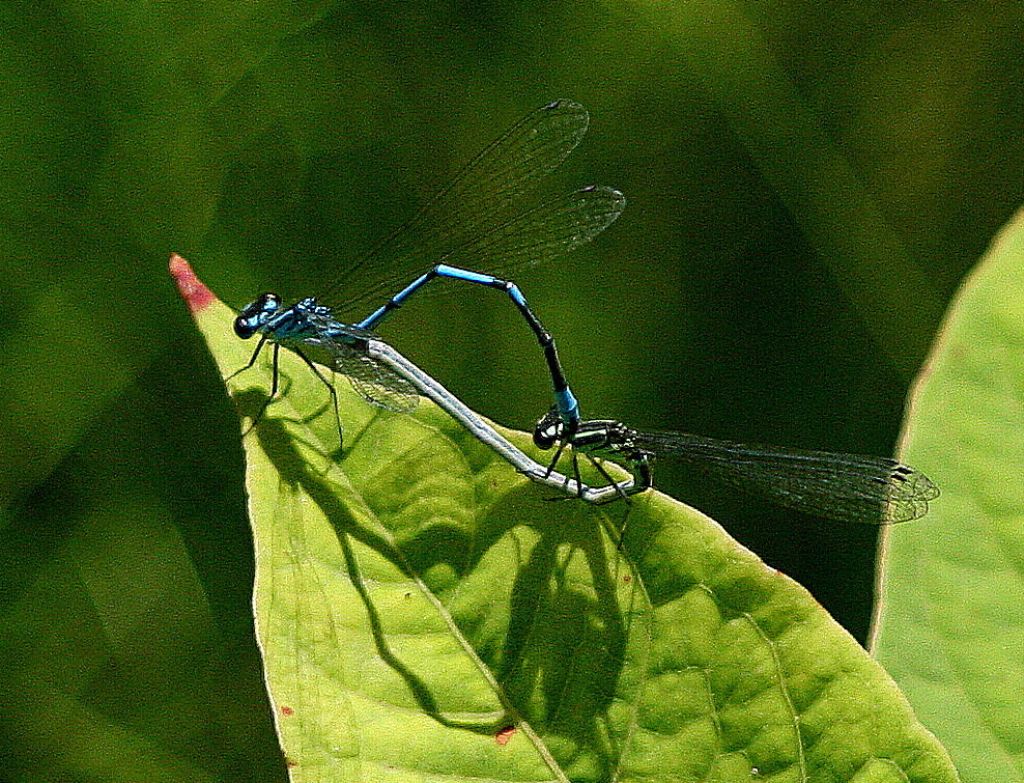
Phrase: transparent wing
(485, 193)
(544, 232)
(847, 487)
(555, 227)
(380, 386)
(376, 383)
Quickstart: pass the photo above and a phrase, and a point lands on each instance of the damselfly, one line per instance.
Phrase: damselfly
(482, 219)
(846, 487)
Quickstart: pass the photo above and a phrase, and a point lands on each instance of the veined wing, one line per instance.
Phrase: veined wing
(847, 487)
(547, 231)
(486, 192)
(376, 383)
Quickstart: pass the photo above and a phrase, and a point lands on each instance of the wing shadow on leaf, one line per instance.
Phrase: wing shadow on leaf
(293, 469)
(547, 608)
(567, 639)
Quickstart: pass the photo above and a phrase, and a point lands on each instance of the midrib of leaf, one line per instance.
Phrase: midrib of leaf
(514, 715)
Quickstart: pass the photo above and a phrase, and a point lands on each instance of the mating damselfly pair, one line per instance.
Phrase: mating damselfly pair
(485, 226)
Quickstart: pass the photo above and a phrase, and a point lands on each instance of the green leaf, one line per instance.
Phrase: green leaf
(425, 615)
(949, 623)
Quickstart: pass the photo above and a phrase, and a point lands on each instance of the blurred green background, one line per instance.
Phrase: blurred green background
(807, 184)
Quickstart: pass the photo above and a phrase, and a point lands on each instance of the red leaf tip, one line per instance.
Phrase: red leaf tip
(196, 295)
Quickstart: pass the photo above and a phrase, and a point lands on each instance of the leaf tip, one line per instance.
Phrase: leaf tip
(195, 293)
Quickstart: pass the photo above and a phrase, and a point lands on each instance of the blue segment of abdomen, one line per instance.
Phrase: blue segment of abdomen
(443, 270)
(568, 406)
(294, 327)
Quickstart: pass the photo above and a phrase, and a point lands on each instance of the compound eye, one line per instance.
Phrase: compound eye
(542, 439)
(243, 327)
(547, 430)
(546, 433)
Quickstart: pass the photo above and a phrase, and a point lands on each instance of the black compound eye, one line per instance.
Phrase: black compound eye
(546, 433)
(548, 429)
(243, 327)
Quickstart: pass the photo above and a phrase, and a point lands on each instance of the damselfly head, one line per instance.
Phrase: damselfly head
(255, 314)
(548, 430)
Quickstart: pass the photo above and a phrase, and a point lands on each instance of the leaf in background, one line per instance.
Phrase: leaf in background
(424, 615)
(949, 624)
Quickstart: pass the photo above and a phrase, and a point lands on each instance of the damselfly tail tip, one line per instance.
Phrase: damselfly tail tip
(196, 295)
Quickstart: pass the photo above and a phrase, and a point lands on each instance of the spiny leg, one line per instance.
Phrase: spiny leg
(576, 473)
(607, 477)
(252, 361)
(554, 461)
(330, 389)
(565, 479)
(641, 465)
(273, 385)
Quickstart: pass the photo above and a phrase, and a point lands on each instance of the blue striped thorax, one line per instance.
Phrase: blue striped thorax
(266, 316)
